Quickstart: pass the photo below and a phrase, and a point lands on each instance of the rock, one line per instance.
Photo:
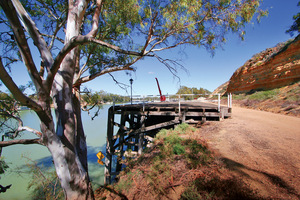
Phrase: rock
(273, 68)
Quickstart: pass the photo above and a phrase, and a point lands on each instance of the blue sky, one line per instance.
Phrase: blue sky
(203, 69)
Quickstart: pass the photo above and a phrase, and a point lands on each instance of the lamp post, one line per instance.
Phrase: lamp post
(131, 80)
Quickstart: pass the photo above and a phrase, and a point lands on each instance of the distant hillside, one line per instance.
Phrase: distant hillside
(273, 68)
(221, 89)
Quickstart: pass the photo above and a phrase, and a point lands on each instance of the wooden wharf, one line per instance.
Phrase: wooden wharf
(139, 123)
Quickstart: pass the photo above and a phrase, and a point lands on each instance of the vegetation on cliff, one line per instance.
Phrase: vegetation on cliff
(284, 100)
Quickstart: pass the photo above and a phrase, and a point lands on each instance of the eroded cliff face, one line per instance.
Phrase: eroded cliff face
(273, 68)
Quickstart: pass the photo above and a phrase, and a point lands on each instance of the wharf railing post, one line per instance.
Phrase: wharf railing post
(114, 103)
(179, 104)
(219, 102)
(143, 103)
(228, 100)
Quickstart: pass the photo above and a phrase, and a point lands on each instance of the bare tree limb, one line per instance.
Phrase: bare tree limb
(121, 85)
(21, 141)
(168, 63)
(104, 71)
(84, 68)
(150, 33)
(20, 38)
(49, 10)
(13, 88)
(172, 30)
(80, 40)
(31, 28)
(95, 23)
(26, 128)
(53, 37)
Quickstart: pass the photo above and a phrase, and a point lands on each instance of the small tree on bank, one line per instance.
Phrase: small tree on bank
(80, 40)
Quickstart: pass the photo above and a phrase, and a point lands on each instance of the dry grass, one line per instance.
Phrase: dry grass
(179, 166)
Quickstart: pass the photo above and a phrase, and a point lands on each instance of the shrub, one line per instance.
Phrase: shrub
(263, 95)
(178, 149)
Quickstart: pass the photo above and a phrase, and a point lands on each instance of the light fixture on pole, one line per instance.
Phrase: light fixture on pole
(131, 80)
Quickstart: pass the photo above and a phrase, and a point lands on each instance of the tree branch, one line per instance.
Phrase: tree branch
(21, 40)
(31, 28)
(95, 24)
(80, 40)
(21, 141)
(84, 67)
(13, 88)
(26, 128)
(150, 33)
(104, 71)
(168, 63)
(53, 37)
(121, 85)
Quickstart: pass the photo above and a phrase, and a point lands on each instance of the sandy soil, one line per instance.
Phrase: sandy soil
(262, 148)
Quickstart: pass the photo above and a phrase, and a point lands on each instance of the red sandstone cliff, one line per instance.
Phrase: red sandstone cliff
(273, 68)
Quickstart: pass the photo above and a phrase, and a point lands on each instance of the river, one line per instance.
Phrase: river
(18, 156)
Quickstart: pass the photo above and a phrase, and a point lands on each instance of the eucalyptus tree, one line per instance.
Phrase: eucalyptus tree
(296, 25)
(80, 40)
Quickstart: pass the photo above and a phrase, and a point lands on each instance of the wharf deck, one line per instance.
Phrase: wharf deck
(139, 123)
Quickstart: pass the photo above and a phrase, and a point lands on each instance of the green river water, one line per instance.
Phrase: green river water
(17, 156)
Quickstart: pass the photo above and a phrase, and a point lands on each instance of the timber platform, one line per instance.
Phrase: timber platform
(132, 127)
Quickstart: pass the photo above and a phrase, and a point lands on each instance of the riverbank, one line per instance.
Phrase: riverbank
(284, 100)
(254, 155)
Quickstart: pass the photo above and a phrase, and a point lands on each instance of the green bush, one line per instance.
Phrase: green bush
(238, 97)
(184, 127)
(178, 149)
(263, 95)
(162, 133)
(173, 139)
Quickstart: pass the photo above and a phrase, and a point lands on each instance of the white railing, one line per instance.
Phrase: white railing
(137, 99)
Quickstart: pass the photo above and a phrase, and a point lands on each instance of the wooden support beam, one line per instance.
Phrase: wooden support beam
(121, 144)
(183, 116)
(127, 154)
(131, 126)
(109, 146)
(202, 114)
(141, 135)
(132, 133)
(162, 125)
(122, 127)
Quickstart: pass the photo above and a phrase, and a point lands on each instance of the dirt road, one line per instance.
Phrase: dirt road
(262, 148)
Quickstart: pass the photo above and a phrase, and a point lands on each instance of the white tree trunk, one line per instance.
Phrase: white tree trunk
(68, 146)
